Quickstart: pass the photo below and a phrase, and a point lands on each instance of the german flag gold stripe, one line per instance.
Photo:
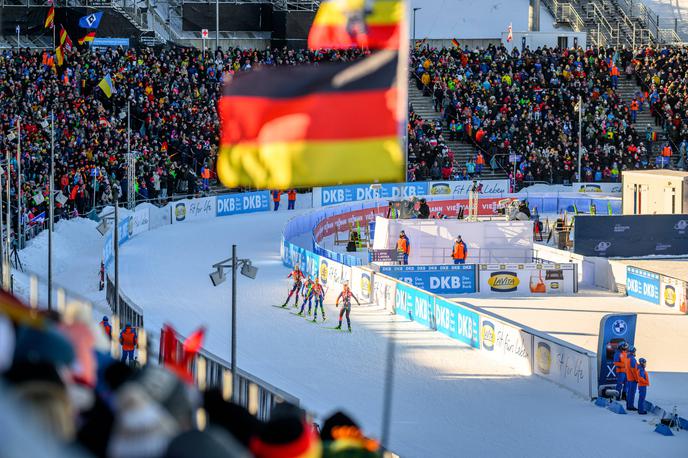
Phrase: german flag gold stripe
(278, 165)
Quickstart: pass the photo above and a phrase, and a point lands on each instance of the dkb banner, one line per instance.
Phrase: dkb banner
(450, 279)
(631, 235)
(614, 329)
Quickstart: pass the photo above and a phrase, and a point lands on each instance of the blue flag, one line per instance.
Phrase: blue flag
(92, 21)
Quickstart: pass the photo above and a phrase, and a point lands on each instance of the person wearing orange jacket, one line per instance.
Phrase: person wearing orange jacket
(632, 377)
(403, 248)
(460, 251)
(205, 176)
(107, 327)
(620, 367)
(276, 198)
(291, 199)
(643, 383)
(635, 105)
(129, 341)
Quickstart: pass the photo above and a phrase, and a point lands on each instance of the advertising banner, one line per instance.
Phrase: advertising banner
(673, 293)
(562, 365)
(642, 284)
(463, 188)
(362, 284)
(333, 195)
(384, 292)
(527, 279)
(437, 279)
(246, 202)
(414, 304)
(140, 221)
(457, 322)
(614, 329)
(193, 209)
(507, 343)
(109, 246)
(607, 188)
(332, 275)
(344, 222)
(631, 235)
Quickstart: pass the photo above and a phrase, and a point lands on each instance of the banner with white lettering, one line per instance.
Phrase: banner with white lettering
(563, 365)
(507, 343)
(245, 202)
(416, 305)
(333, 195)
(457, 322)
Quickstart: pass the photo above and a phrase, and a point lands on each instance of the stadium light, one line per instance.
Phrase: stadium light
(218, 277)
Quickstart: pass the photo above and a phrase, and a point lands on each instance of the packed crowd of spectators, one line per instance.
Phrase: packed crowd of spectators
(172, 94)
(663, 75)
(523, 105)
(62, 395)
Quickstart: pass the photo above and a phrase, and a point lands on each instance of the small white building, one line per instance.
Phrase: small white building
(654, 192)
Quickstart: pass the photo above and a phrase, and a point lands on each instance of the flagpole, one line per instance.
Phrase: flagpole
(580, 135)
(8, 157)
(19, 188)
(50, 216)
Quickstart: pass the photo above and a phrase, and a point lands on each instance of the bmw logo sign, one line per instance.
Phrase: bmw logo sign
(619, 327)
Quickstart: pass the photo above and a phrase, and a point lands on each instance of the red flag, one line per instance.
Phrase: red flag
(177, 356)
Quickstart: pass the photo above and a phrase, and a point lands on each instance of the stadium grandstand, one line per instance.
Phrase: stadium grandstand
(124, 110)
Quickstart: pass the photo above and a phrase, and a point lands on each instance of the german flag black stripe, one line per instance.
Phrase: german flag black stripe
(377, 72)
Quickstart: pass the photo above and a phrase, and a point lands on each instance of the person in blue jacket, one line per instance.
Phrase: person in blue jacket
(643, 383)
(631, 379)
(620, 367)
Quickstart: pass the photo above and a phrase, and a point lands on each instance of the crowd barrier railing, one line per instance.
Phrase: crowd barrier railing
(209, 369)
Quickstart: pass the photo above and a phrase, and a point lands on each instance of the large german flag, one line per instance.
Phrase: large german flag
(312, 125)
(373, 24)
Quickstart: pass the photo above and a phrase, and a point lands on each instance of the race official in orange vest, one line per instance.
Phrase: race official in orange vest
(460, 251)
(291, 195)
(632, 379)
(403, 248)
(129, 341)
(620, 367)
(643, 383)
(107, 327)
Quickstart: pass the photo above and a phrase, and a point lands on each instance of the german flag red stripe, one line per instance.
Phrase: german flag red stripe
(310, 125)
(321, 119)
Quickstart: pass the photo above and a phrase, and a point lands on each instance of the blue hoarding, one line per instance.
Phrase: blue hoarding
(457, 322)
(437, 279)
(415, 305)
(614, 329)
(332, 195)
(109, 247)
(642, 284)
(108, 42)
(247, 202)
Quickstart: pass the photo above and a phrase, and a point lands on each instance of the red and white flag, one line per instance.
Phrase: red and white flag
(509, 34)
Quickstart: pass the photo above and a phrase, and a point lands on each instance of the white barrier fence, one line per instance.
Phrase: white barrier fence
(525, 349)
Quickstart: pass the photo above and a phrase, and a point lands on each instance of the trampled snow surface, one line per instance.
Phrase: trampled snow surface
(448, 399)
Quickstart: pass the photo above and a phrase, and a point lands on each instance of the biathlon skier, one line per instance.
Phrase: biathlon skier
(297, 275)
(345, 296)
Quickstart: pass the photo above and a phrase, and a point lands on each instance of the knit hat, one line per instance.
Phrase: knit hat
(179, 399)
(42, 345)
(233, 418)
(212, 442)
(286, 435)
(142, 427)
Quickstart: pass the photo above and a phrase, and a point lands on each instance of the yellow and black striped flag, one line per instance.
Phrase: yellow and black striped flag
(312, 125)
